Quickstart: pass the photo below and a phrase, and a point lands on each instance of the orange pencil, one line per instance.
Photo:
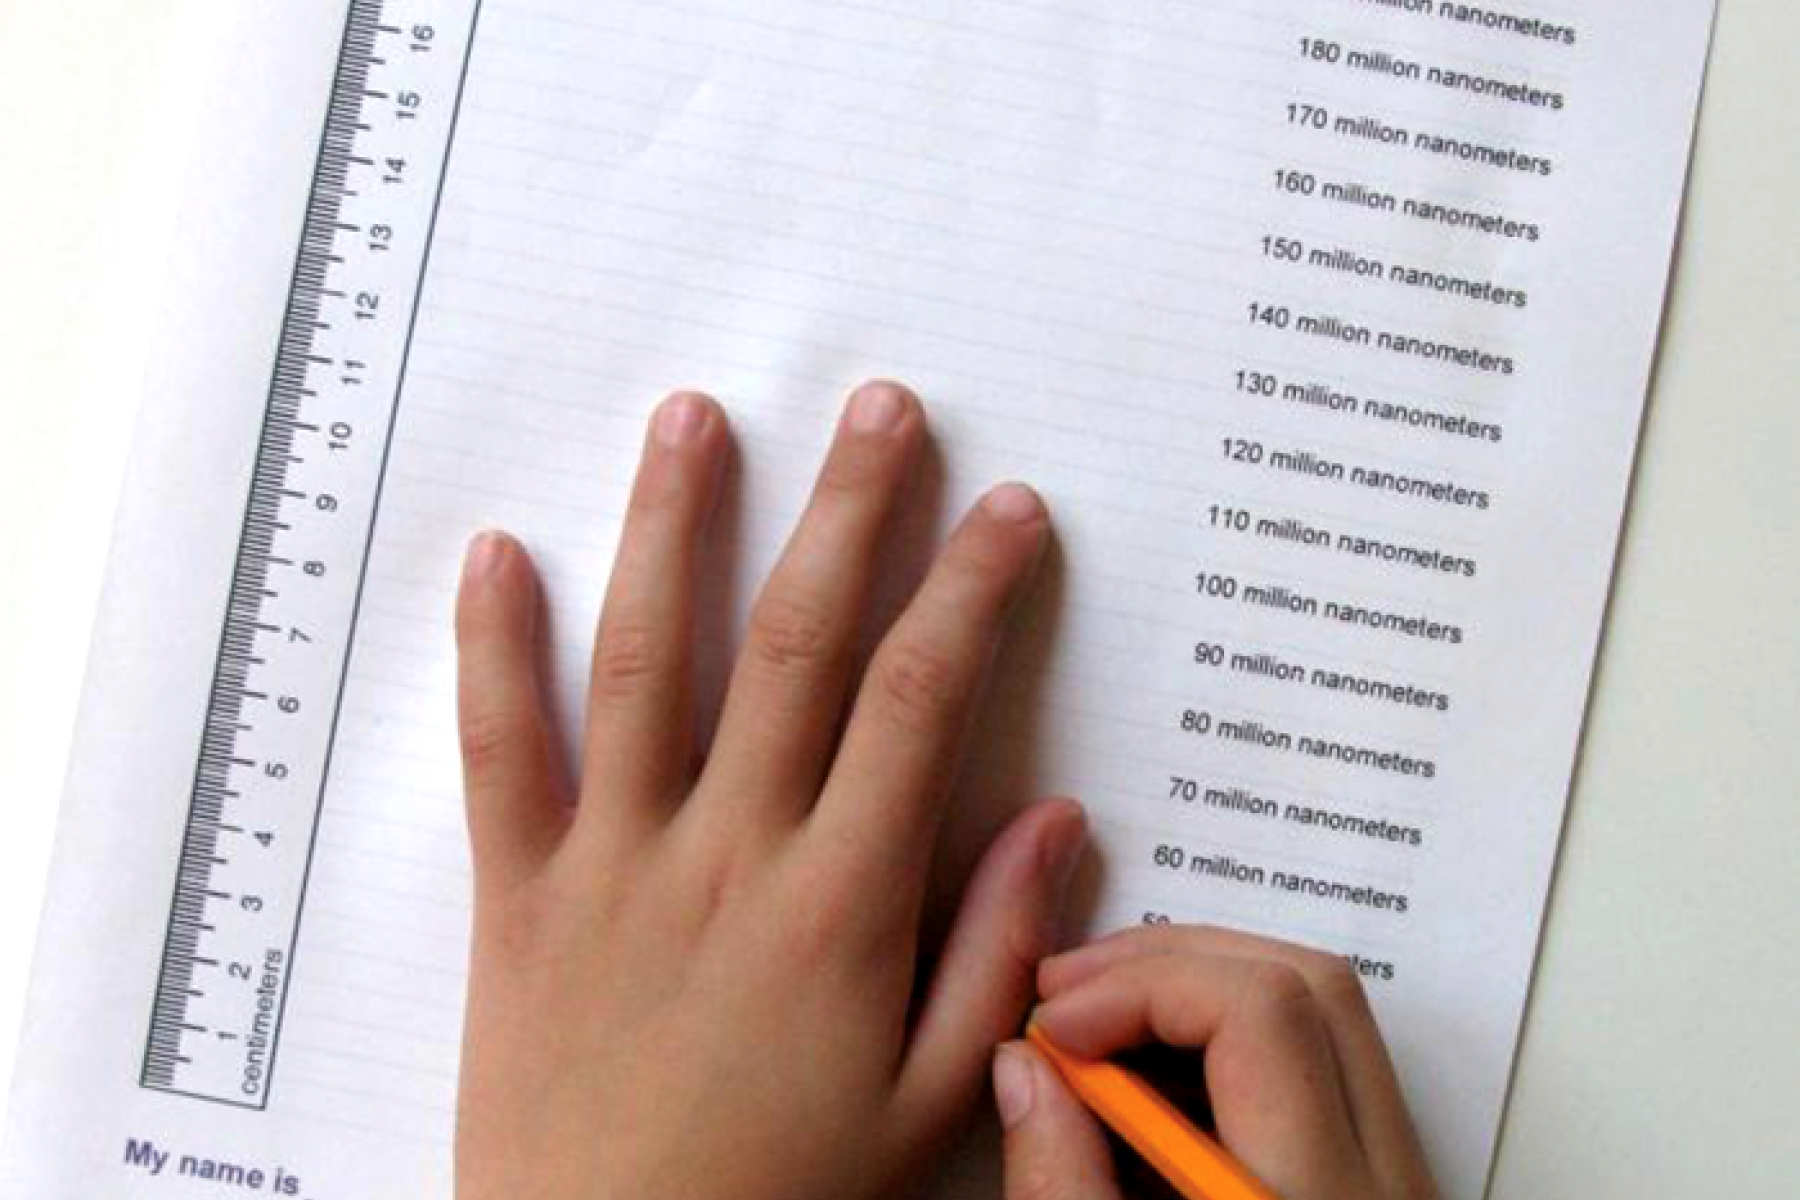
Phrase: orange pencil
(1197, 1166)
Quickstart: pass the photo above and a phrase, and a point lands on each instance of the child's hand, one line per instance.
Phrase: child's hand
(695, 981)
(1299, 1078)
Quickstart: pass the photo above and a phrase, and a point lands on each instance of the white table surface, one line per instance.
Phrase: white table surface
(1662, 1053)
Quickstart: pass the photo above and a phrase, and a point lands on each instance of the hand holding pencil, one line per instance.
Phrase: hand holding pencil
(1305, 1099)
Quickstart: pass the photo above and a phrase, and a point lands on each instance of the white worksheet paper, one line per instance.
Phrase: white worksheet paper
(1324, 327)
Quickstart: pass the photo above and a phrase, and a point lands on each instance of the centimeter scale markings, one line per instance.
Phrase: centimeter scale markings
(296, 587)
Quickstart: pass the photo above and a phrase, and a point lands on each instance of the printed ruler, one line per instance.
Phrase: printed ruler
(290, 619)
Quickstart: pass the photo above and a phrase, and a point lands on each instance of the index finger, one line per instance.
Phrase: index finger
(1273, 1077)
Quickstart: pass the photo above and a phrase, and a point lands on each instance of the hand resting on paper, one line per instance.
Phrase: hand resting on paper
(698, 977)
(693, 983)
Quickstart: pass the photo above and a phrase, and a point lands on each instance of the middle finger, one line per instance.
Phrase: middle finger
(786, 697)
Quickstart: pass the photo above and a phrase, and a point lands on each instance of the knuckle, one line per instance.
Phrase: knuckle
(789, 635)
(487, 622)
(472, 620)
(489, 741)
(990, 559)
(973, 587)
(1335, 981)
(543, 924)
(831, 915)
(1280, 989)
(513, 926)
(850, 470)
(1031, 1175)
(916, 686)
(659, 498)
(815, 925)
(627, 658)
(980, 561)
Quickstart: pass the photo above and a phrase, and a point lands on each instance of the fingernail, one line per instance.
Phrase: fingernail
(680, 419)
(1013, 502)
(877, 408)
(485, 554)
(1014, 1085)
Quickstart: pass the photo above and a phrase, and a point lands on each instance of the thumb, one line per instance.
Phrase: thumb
(1054, 1148)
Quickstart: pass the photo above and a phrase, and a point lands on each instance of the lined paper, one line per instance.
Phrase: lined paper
(1324, 329)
